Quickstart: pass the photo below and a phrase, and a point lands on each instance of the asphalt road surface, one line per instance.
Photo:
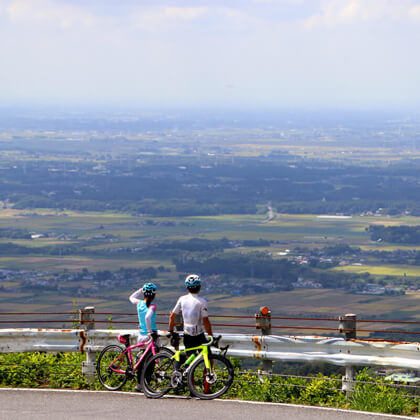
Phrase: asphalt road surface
(18, 404)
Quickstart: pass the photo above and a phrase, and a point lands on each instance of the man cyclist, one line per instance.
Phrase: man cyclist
(194, 312)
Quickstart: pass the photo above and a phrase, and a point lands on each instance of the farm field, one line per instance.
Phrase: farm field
(383, 270)
(324, 303)
(299, 230)
(99, 234)
(110, 230)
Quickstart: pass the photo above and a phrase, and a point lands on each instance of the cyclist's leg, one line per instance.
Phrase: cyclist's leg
(193, 341)
(142, 339)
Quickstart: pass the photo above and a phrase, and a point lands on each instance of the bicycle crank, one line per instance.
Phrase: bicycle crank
(176, 379)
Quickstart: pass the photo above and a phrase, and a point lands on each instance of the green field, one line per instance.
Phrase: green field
(290, 231)
(384, 270)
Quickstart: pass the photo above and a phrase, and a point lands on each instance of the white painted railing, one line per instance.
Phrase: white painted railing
(336, 351)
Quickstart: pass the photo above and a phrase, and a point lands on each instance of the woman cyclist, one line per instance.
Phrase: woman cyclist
(143, 298)
(146, 311)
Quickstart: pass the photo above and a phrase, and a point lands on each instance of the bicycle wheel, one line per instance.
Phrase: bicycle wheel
(211, 384)
(147, 358)
(156, 375)
(112, 366)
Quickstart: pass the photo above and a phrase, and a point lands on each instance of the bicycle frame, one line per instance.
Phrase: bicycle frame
(150, 347)
(204, 353)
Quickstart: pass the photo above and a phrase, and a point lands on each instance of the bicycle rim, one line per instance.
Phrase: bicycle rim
(112, 359)
(146, 359)
(211, 384)
(156, 375)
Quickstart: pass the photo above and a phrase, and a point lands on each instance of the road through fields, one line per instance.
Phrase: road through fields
(67, 405)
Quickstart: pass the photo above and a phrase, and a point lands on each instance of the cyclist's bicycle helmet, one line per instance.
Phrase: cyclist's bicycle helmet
(193, 280)
(149, 289)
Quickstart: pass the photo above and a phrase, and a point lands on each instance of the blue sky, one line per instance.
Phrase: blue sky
(360, 54)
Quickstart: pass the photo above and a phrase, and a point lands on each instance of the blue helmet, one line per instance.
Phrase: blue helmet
(149, 289)
(193, 280)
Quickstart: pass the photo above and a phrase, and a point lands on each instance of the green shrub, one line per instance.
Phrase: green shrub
(323, 391)
(63, 370)
(60, 370)
(380, 397)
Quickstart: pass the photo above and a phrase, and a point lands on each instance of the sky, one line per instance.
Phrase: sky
(357, 54)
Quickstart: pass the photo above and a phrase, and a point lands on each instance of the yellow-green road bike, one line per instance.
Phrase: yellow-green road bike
(208, 375)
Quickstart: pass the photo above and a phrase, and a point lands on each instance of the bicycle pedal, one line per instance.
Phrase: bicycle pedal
(129, 373)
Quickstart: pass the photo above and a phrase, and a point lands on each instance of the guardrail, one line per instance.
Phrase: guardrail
(347, 351)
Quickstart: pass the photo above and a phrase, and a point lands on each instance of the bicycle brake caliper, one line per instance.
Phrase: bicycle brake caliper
(211, 378)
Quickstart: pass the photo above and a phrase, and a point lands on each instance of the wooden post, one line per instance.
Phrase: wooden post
(87, 318)
(263, 323)
(87, 322)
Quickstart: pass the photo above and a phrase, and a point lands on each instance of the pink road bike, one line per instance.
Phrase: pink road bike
(116, 364)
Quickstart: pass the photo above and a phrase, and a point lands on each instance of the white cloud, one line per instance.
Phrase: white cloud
(285, 2)
(152, 51)
(184, 13)
(338, 12)
(415, 13)
(48, 12)
(156, 18)
(236, 20)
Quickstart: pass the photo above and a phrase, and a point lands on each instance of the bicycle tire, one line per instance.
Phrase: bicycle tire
(147, 358)
(156, 375)
(112, 355)
(208, 385)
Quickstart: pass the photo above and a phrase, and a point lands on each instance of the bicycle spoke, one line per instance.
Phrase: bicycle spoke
(112, 366)
(208, 384)
(157, 374)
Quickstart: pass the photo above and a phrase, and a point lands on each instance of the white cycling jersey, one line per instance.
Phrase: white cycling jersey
(193, 309)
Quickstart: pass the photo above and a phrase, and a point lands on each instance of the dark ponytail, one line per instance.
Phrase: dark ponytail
(149, 299)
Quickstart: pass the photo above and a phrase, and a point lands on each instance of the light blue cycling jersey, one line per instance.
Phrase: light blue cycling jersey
(142, 311)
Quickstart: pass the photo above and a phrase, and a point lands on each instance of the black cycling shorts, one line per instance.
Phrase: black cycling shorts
(194, 340)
